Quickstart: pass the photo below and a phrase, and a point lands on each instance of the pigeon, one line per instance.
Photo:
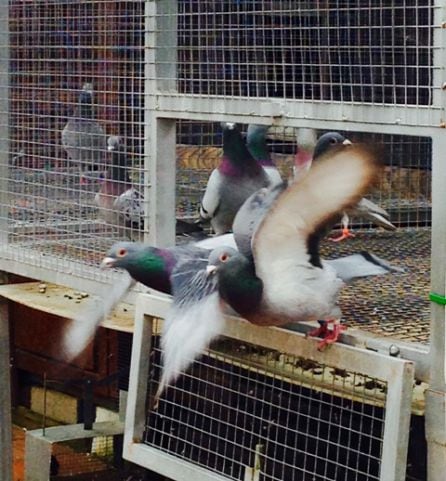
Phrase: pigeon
(121, 205)
(284, 280)
(144, 264)
(365, 208)
(256, 144)
(153, 266)
(83, 137)
(180, 271)
(229, 185)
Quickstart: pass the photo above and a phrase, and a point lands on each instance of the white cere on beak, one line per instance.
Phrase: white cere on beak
(210, 269)
(346, 142)
(107, 262)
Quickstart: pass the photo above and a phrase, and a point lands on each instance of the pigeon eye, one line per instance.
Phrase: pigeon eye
(224, 257)
(122, 252)
(333, 141)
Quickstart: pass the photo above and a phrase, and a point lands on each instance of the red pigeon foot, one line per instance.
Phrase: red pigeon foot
(345, 235)
(332, 336)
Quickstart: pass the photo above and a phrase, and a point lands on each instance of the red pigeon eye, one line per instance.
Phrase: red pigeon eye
(122, 252)
(224, 257)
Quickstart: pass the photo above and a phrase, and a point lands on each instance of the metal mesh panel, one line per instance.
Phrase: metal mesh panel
(242, 406)
(57, 50)
(351, 51)
(404, 188)
(79, 457)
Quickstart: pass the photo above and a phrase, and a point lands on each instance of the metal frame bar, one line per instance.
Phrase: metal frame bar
(397, 372)
(5, 395)
(300, 113)
(436, 394)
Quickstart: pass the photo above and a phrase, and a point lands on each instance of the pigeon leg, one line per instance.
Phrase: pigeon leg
(320, 331)
(332, 336)
(345, 230)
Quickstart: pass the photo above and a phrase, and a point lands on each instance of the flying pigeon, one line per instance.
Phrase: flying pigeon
(120, 204)
(284, 280)
(152, 267)
(235, 179)
(256, 144)
(365, 208)
(83, 137)
(180, 271)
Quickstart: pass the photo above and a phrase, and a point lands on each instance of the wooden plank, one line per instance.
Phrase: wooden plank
(65, 302)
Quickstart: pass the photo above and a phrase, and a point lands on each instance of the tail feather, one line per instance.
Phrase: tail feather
(186, 334)
(82, 328)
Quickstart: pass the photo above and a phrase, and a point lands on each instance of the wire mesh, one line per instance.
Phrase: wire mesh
(349, 51)
(242, 406)
(79, 457)
(58, 204)
(76, 76)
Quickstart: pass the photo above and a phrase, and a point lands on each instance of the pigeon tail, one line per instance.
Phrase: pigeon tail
(82, 328)
(186, 333)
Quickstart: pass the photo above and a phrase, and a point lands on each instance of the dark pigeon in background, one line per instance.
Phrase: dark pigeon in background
(229, 185)
(365, 207)
(83, 137)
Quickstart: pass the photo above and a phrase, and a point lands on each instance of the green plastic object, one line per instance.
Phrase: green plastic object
(437, 298)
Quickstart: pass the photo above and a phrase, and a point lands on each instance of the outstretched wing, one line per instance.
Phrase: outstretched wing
(335, 183)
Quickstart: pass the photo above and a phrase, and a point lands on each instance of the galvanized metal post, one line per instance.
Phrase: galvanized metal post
(160, 136)
(5, 396)
(436, 394)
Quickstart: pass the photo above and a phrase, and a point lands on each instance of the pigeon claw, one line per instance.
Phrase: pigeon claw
(331, 337)
(345, 235)
(320, 331)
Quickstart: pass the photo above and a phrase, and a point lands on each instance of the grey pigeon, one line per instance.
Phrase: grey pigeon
(285, 280)
(180, 271)
(121, 205)
(229, 185)
(83, 137)
(365, 208)
(256, 144)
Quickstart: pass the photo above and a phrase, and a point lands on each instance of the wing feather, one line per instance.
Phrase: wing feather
(336, 182)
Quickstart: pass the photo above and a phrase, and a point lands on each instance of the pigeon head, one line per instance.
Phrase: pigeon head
(122, 255)
(256, 143)
(219, 257)
(146, 264)
(238, 284)
(328, 141)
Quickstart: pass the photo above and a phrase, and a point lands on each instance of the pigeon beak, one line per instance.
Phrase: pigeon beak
(111, 148)
(107, 262)
(346, 142)
(210, 270)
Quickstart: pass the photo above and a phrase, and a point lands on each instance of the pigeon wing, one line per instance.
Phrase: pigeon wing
(335, 183)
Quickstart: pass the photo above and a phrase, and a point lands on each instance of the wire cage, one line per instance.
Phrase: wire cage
(159, 77)
(251, 409)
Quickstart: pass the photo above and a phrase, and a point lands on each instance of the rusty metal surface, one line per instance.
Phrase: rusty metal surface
(394, 305)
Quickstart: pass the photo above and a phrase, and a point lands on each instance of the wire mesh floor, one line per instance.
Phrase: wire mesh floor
(397, 304)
